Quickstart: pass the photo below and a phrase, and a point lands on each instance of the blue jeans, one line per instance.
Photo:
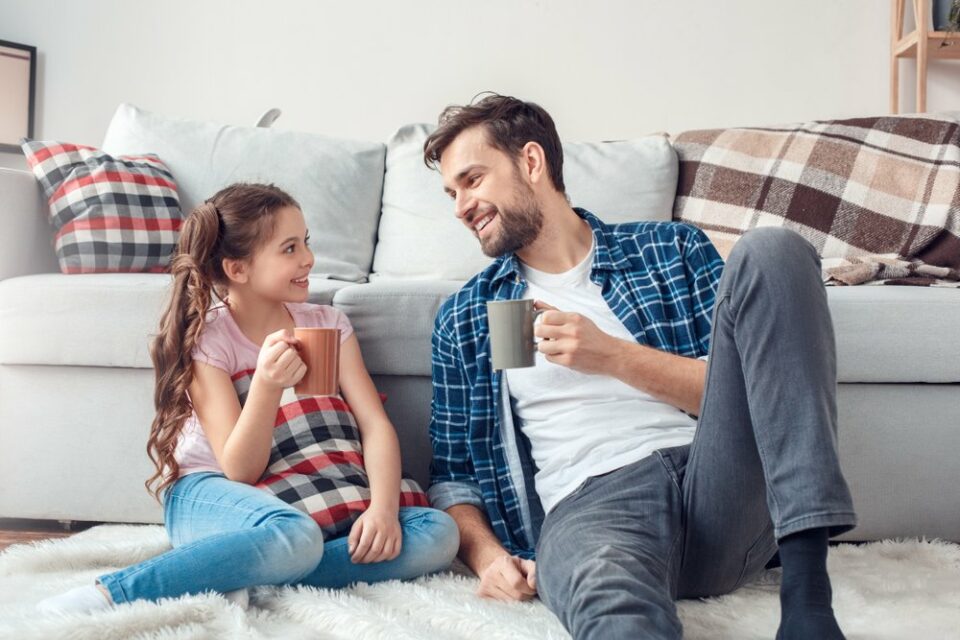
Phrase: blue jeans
(701, 519)
(228, 535)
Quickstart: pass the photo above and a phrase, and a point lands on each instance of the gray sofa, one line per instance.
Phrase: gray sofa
(76, 380)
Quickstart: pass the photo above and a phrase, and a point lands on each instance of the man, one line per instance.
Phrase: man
(624, 471)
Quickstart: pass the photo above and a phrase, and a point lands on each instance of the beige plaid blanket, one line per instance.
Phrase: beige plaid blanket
(878, 197)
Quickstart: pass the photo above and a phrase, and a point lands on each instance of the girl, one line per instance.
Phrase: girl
(249, 246)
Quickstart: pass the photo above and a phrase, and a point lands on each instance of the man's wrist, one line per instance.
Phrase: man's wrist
(479, 546)
(487, 557)
(623, 359)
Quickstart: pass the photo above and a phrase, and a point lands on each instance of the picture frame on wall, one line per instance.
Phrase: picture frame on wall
(18, 77)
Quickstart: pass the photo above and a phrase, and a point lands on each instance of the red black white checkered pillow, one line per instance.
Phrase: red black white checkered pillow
(316, 461)
(109, 214)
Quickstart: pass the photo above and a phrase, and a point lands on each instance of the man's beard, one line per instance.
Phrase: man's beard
(519, 224)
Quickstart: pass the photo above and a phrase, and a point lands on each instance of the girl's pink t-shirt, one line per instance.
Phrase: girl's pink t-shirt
(224, 346)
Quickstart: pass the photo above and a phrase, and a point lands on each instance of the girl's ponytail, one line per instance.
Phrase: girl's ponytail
(231, 225)
(194, 272)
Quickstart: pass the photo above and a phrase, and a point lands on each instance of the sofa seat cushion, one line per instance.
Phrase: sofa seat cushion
(896, 334)
(883, 333)
(97, 320)
(393, 320)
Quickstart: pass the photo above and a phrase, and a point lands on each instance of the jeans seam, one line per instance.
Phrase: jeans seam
(761, 451)
(751, 552)
(673, 562)
(771, 494)
(168, 525)
(112, 584)
(245, 510)
(721, 297)
(127, 573)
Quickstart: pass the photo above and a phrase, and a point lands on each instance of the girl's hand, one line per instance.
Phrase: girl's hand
(375, 537)
(279, 363)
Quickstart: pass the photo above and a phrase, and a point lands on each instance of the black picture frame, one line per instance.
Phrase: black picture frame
(14, 145)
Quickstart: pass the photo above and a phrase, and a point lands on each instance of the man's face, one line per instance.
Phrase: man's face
(491, 196)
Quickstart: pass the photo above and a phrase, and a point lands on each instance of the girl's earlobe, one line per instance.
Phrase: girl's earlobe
(235, 270)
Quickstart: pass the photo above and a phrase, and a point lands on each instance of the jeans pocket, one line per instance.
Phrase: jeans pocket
(674, 460)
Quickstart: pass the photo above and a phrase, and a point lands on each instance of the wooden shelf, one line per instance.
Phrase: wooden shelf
(940, 45)
(921, 44)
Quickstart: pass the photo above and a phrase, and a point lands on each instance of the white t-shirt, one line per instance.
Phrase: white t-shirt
(583, 425)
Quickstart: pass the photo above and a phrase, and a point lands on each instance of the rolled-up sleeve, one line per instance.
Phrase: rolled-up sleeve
(444, 495)
(452, 478)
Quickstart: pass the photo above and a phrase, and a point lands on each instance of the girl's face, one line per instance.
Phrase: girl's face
(279, 268)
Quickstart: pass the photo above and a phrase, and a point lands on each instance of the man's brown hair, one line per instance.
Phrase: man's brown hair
(509, 124)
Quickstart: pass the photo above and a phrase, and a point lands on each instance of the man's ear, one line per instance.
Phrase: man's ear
(235, 270)
(533, 162)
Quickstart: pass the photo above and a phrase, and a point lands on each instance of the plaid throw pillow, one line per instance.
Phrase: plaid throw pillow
(316, 462)
(109, 214)
(877, 197)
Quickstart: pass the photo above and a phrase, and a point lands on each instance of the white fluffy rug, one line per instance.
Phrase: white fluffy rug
(908, 589)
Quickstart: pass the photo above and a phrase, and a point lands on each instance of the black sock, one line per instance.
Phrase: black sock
(805, 594)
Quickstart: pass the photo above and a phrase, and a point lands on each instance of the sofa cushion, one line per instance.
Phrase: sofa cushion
(896, 334)
(100, 320)
(420, 237)
(884, 334)
(109, 214)
(337, 182)
(393, 321)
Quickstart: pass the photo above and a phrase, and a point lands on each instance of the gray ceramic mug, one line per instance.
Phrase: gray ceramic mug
(511, 333)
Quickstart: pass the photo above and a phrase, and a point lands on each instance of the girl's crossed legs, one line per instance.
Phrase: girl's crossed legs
(228, 535)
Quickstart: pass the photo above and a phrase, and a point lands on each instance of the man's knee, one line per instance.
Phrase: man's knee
(778, 257)
(771, 247)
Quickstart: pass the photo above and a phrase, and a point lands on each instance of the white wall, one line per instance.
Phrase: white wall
(604, 69)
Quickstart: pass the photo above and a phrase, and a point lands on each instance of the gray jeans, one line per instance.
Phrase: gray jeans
(701, 519)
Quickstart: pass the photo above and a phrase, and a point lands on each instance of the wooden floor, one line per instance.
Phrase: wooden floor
(21, 531)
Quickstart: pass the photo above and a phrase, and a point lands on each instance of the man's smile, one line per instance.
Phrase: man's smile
(483, 221)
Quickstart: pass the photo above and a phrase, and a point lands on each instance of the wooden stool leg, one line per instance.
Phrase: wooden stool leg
(923, 44)
(896, 30)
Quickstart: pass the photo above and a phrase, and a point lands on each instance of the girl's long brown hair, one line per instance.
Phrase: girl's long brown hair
(230, 225)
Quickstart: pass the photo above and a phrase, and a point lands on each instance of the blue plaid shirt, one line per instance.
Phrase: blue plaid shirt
(659, 278)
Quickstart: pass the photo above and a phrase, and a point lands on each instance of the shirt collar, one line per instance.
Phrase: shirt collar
(607, 256)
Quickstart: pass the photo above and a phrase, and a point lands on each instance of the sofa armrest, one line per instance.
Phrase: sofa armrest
(26, 245)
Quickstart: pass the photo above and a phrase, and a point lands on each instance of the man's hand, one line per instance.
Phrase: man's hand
(509, 578)
(574, 341)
